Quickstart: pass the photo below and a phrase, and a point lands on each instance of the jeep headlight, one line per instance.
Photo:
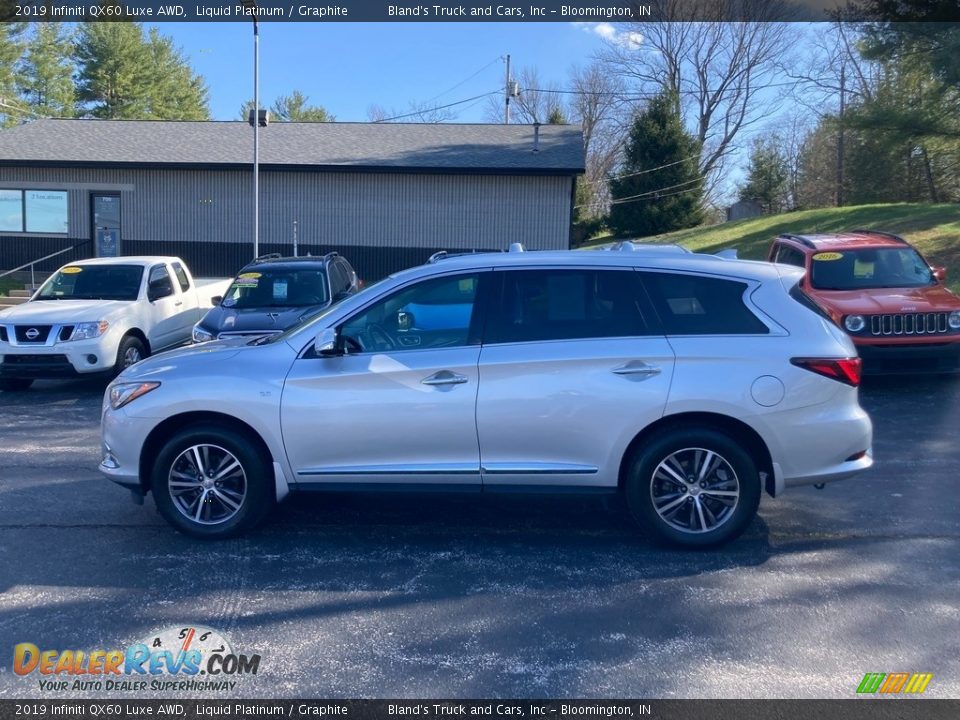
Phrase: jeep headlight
(200, 335)
(89, 330)
(954, 320)
(125, 393)
(854, 323)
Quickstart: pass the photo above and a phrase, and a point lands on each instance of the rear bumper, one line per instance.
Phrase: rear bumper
(894, 359)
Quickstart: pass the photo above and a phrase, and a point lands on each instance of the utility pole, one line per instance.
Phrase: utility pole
(256, 138)
(506, 92)
(840, 138)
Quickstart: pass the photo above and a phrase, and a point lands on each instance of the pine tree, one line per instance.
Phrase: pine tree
(176, 92)
(115, 71)
(767, 178)
(294, 107)
(11, 49)
(124, 75)
(659, 186)
(46, 77)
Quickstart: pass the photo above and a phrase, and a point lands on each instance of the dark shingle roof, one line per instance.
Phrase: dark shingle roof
(446, 147)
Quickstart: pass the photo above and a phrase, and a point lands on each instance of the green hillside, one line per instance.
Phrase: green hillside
(933, 229)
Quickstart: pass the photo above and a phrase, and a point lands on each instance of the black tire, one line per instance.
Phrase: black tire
(15, 384)
(174, 503)
(692, 524)
(131, 350)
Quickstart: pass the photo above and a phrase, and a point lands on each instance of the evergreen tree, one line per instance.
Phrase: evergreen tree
(767, 178)
(176, 93)
(11, 48)
(124, 75)
(659, 186)
(115, 71)
(46, 77)
(294, 107)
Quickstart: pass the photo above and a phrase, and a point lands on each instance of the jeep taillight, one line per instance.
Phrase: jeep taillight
(845, 370)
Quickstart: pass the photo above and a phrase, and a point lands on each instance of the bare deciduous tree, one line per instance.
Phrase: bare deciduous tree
(722, 71)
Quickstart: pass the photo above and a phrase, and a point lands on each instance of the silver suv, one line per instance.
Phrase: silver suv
(687, 382)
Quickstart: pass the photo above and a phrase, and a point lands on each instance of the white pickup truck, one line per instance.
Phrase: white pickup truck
(101, 316)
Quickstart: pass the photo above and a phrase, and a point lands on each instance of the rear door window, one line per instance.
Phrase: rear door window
(562, 304)
(181, 277)
(699, 305)
(790, 256)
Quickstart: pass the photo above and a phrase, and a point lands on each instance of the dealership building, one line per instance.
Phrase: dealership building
(384, 195)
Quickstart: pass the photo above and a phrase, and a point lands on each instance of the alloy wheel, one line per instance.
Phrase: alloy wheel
(695, 490)
(207, 484)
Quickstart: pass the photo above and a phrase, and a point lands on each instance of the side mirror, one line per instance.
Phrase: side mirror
(216, 300)
(405, 320)
(325, 343)
(159, 290)
(940, 273)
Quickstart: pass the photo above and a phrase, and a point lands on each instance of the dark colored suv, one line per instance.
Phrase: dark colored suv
(273, 292)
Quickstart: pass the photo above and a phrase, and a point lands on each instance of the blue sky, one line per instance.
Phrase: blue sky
(346, 67)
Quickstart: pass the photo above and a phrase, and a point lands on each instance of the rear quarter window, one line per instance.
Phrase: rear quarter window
(697, 305)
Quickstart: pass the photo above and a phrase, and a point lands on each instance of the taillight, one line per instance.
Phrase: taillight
(845, 370)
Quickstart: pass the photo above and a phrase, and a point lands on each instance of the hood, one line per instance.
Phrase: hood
(876, 301)
(226, 319)
(50, 312)
(162, 363)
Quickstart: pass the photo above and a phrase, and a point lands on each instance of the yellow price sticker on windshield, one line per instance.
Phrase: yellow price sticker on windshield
(248, 276)
(828, 256)
(73, 270)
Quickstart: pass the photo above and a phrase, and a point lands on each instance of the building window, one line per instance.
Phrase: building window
(11, 211)
(34, 211)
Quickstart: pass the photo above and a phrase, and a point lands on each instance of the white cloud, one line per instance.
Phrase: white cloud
(610, 33)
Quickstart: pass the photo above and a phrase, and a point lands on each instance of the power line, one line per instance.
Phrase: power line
(643, 96)
(437, 107)
(643, 172)
(659, 192)
(466, 80)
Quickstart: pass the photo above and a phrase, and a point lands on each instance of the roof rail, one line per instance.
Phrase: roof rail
(892, 236)
(439, 255)
(268, 256)
(799, 238)
(330, 255)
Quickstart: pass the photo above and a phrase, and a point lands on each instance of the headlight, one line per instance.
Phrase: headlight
(125, 393)
(200, 335)
(954, 320)
(854, 323)
(89, 330)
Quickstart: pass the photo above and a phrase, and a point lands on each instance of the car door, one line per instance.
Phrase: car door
(398, 406)
(189, 309)
(573, 366)
(163, 309)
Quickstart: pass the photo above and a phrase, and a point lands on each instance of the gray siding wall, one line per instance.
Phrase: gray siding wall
(342, 209)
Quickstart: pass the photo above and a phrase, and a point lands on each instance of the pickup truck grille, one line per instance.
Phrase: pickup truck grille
(909, 324)
(3, 335)
(32, 333)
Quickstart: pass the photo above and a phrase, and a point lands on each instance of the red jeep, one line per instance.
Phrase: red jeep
(881, 291)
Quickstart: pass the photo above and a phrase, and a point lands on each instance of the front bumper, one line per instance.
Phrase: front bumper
(893, 359)
(122, 439)
(58, 359)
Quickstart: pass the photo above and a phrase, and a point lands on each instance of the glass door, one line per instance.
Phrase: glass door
(105, 221)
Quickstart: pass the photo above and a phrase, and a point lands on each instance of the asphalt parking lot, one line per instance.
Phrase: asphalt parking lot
(466, 597)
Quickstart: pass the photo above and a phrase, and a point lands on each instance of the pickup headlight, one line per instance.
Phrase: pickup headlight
(125, 393)
(200, 335)
(89, 330)
(954, 320)
(854, 323)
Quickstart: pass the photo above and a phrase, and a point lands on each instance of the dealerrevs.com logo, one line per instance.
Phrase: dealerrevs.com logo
(187, 658)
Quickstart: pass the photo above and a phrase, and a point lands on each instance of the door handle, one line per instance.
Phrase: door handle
(444, 377)
(178, 303)
(636, 367)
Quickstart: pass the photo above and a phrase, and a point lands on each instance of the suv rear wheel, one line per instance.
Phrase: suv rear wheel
(211, 482)
(693, 487)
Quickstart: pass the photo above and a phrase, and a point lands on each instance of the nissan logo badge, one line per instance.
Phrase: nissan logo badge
(32, 334)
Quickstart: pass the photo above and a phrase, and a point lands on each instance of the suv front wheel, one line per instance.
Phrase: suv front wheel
(211, 482)
(692, 487)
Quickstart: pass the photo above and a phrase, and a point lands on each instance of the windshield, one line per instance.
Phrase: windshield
(870, 268)
(309, 319)
(277, 287)
(93, 282)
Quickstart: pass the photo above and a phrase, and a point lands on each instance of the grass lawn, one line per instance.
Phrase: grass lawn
(933, 229)
(7, 284)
